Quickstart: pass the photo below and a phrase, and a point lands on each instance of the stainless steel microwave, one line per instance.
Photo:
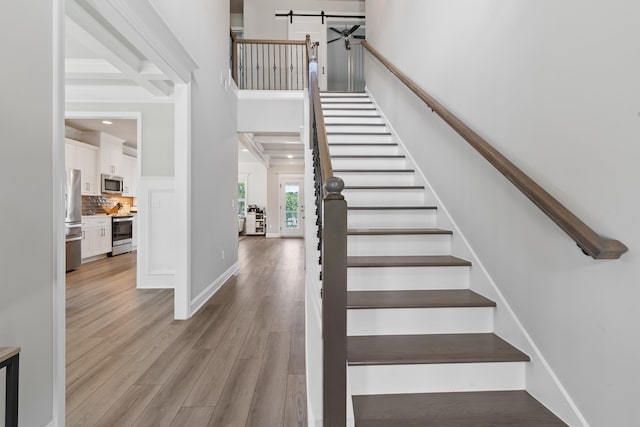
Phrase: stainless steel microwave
(112, 184)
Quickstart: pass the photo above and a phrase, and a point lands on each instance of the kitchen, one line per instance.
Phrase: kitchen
(101, 189)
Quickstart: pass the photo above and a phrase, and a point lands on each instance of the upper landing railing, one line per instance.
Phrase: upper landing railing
(269, 64)
(588, 240)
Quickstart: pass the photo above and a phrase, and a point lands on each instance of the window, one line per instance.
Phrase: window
(242, 198)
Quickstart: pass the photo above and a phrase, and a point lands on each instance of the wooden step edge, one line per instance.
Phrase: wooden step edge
(385, 187)
(374, 170)
(431, 349)
(348, 109)
(459, 298)
(342, 116)
(363, 144)
(481, 408)
(406, 261)
(397, 231)
(372, 156)
(392, 208)
(358, 133)
(355, 124)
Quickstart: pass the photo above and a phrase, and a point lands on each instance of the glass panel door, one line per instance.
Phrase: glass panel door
(291, 208)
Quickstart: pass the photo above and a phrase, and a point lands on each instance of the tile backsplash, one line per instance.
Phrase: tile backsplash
(92, 205)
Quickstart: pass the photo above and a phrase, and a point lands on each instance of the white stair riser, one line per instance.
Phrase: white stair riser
(343, 98)
(355, 128)
(339, 103)
(407, 278)
(413, 244)
(338, 94)
(415, 321)
(434, 378)
(352, 120)
(350, 112)
(354, 150)
(369, 163)
(391, 218)
(376, 178)
(387, 197)
(359, 139)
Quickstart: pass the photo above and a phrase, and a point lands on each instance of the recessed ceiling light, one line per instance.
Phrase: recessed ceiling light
(289, 156)
(244, 149)
(107, 122)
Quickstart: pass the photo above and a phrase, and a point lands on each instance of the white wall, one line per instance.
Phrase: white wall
(260, 21)
(273, 194)
(269, 111)
(554, 86)
(29, 245)
(157, 157)
(203, 29)
(256, 175)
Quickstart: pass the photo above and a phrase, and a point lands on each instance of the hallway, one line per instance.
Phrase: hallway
(239, 361)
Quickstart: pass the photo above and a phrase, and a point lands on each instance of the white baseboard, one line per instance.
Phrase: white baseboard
(210, 290)
(273, 235)
(52, 424)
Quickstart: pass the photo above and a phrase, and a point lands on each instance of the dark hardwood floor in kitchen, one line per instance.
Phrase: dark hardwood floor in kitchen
(239, 361)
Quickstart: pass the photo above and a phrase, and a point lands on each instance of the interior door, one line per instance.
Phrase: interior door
(312, 25)
(291, 206)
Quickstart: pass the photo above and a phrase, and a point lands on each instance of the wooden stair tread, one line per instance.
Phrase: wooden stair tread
(370, 156)
(430, 349)
(390, 208)
(365, 116)
(363, 144)
(374, 170)
(395, 231)
(485, 408)
(384, 187)
(360, 133)
(407, 261)
(441, 298)
(355, 124)
(349, 108)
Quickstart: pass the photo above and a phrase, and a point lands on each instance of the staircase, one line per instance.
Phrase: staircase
(421, 349)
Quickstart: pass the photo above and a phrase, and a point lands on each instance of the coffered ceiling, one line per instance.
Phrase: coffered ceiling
(271, 148)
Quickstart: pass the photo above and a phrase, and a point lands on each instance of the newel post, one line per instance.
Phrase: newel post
(334, 303)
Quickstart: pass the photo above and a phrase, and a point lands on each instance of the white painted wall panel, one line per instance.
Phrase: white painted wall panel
(554, 87)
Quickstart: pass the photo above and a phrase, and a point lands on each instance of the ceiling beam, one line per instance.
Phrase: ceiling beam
(246, 140)
(140, 23)
(87, 30)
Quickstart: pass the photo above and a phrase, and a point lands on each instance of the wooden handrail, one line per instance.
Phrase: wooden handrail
(332, 222)
(323, 145)
(262, 41)
(587, 239)
(269, 71)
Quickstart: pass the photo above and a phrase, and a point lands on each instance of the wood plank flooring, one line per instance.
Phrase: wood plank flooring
(239, 361)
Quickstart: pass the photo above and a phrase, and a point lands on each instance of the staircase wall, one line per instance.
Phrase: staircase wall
(553, 86)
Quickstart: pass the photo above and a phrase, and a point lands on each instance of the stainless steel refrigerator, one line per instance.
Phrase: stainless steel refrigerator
(73, 220)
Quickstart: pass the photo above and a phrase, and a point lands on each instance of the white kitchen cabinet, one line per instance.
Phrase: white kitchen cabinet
(111, 157)
(79, 155)
(96, 236)
(130, 175)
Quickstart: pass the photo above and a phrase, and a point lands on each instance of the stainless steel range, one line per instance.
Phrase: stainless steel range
(121, 234)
